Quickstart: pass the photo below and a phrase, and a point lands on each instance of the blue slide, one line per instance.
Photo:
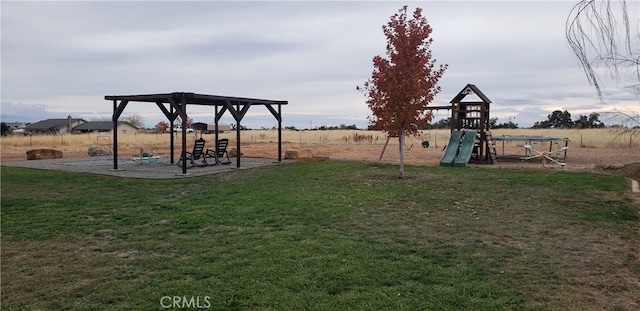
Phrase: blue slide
(466, 149)
(452, 149)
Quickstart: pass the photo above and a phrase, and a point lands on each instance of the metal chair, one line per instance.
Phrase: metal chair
(197, 156)
(220, 152)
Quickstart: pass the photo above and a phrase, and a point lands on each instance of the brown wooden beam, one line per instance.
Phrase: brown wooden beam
(275, 113)
(114, 119)
(238, 153)
(234, 113)
(118, 109)
(279, 117)
(472, 103)
(183, 116)
(216, 134)
(171, 116)
(244, 110)
(177, 106)
(219, 114)
(439, 108)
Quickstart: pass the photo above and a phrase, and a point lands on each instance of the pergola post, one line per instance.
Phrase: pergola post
(279, 133)
(238, 138)
(278, 115)
(216, 128)
(114, 119)
(117, 111)
(171, 140)
(183, 116)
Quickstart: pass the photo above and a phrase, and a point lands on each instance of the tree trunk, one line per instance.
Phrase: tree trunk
(401, 138)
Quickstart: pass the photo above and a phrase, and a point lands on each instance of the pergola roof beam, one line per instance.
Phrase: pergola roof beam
(119, 108)
(171, 116)
(195, 99)
(274, 113)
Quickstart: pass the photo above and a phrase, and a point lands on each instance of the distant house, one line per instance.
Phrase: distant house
(54, 126)
(16, 125)
(104, 127)
(17, 128)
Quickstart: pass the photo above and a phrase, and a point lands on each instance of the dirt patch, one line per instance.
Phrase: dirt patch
(628, 170)
(621, 162)
(615, 161)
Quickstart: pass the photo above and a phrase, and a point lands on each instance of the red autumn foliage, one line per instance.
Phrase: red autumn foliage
(403, 84)
(161, 126)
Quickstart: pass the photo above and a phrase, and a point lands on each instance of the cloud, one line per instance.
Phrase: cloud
(18, 112)
(65, 56)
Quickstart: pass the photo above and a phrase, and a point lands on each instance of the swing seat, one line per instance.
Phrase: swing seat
(425, 144)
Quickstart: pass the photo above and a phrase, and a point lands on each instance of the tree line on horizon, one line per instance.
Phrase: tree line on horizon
(558, 119)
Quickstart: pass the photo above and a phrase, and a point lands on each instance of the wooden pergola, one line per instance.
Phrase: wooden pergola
(174, 105)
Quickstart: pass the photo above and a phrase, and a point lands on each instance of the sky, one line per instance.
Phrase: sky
(61, 58)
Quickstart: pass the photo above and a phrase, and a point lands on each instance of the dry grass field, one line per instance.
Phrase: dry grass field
(588, 148)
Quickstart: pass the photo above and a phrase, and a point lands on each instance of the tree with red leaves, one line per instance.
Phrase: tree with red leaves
(402, 85)
(161, 127)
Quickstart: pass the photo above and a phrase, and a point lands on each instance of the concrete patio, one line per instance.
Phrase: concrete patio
(130, 169)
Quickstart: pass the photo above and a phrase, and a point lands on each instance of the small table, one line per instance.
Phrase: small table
(146, 157)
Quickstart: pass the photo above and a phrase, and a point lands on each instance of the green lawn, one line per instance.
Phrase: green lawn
(320, 236)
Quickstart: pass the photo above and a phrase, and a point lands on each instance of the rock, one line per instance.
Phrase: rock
(41, 154)
(234, 153)
(95, 151)
(291, 155)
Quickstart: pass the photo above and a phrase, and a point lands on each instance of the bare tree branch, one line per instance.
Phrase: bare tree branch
(600, 33)
(625, 125)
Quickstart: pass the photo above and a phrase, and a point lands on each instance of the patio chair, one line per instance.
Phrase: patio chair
(219, 152)
(196, 157)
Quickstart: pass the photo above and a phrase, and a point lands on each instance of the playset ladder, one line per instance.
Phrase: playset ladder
(491, 148)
